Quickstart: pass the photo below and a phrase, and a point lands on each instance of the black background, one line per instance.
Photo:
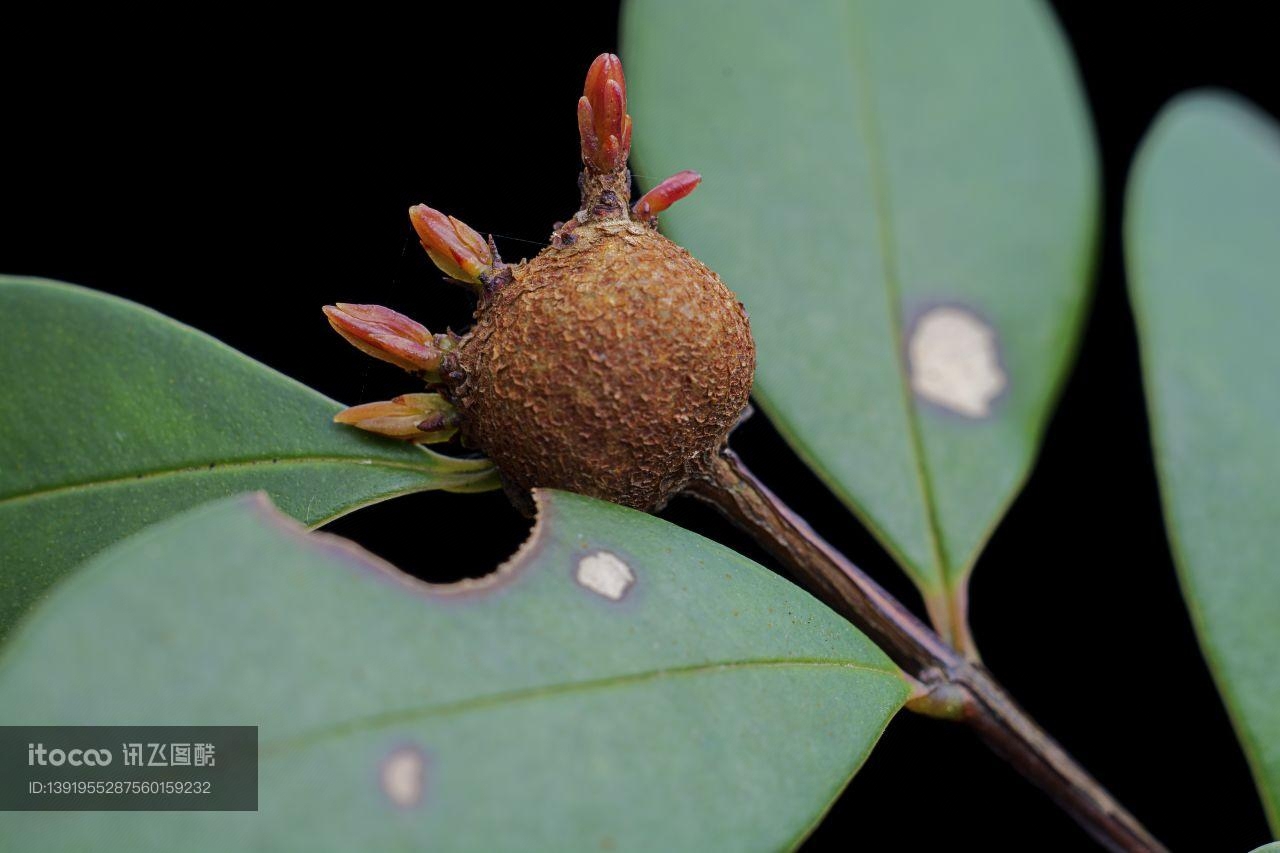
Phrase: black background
(236, 174)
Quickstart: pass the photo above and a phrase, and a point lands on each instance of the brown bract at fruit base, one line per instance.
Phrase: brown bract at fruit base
(613, 364)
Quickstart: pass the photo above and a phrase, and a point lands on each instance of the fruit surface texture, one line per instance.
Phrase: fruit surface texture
(610, 366)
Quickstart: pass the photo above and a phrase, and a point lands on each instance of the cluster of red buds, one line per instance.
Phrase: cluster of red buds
(466, 257)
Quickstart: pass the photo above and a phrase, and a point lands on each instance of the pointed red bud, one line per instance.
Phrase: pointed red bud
(420, 418)
(603, 122)
(666, 194)
(388, 335)
(456, 248)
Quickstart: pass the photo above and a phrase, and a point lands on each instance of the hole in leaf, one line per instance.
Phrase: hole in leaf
(439, 537)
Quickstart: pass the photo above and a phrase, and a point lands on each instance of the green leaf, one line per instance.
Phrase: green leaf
(116, 417)
(706, 705)
(883, 178)
(1202, 244)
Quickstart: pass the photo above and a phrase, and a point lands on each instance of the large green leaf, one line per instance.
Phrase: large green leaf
(620, 684)
(115, 417)
(1202, 243)
(904, 195)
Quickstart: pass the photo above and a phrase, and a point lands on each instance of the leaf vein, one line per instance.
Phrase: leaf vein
(888, 251)
(407, 715)
(158, 473)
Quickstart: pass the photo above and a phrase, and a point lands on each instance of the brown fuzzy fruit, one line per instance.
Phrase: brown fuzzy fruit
(610, 366)
(613, 364)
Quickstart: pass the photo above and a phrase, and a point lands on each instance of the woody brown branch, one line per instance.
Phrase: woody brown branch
(955, 687)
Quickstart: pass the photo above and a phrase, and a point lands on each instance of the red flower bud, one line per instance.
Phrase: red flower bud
(456, 248)
(388, 335)
(603, 122)
(420, 418)
(666, 194)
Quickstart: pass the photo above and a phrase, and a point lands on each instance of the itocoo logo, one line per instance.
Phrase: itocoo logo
(37, 754)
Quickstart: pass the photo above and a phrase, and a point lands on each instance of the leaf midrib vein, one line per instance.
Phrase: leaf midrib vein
(861, 73)
(385, 719)
(159, 473)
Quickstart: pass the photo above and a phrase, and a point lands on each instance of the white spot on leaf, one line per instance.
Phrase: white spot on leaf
(403, 775)
(954, 362)
(605, 574)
